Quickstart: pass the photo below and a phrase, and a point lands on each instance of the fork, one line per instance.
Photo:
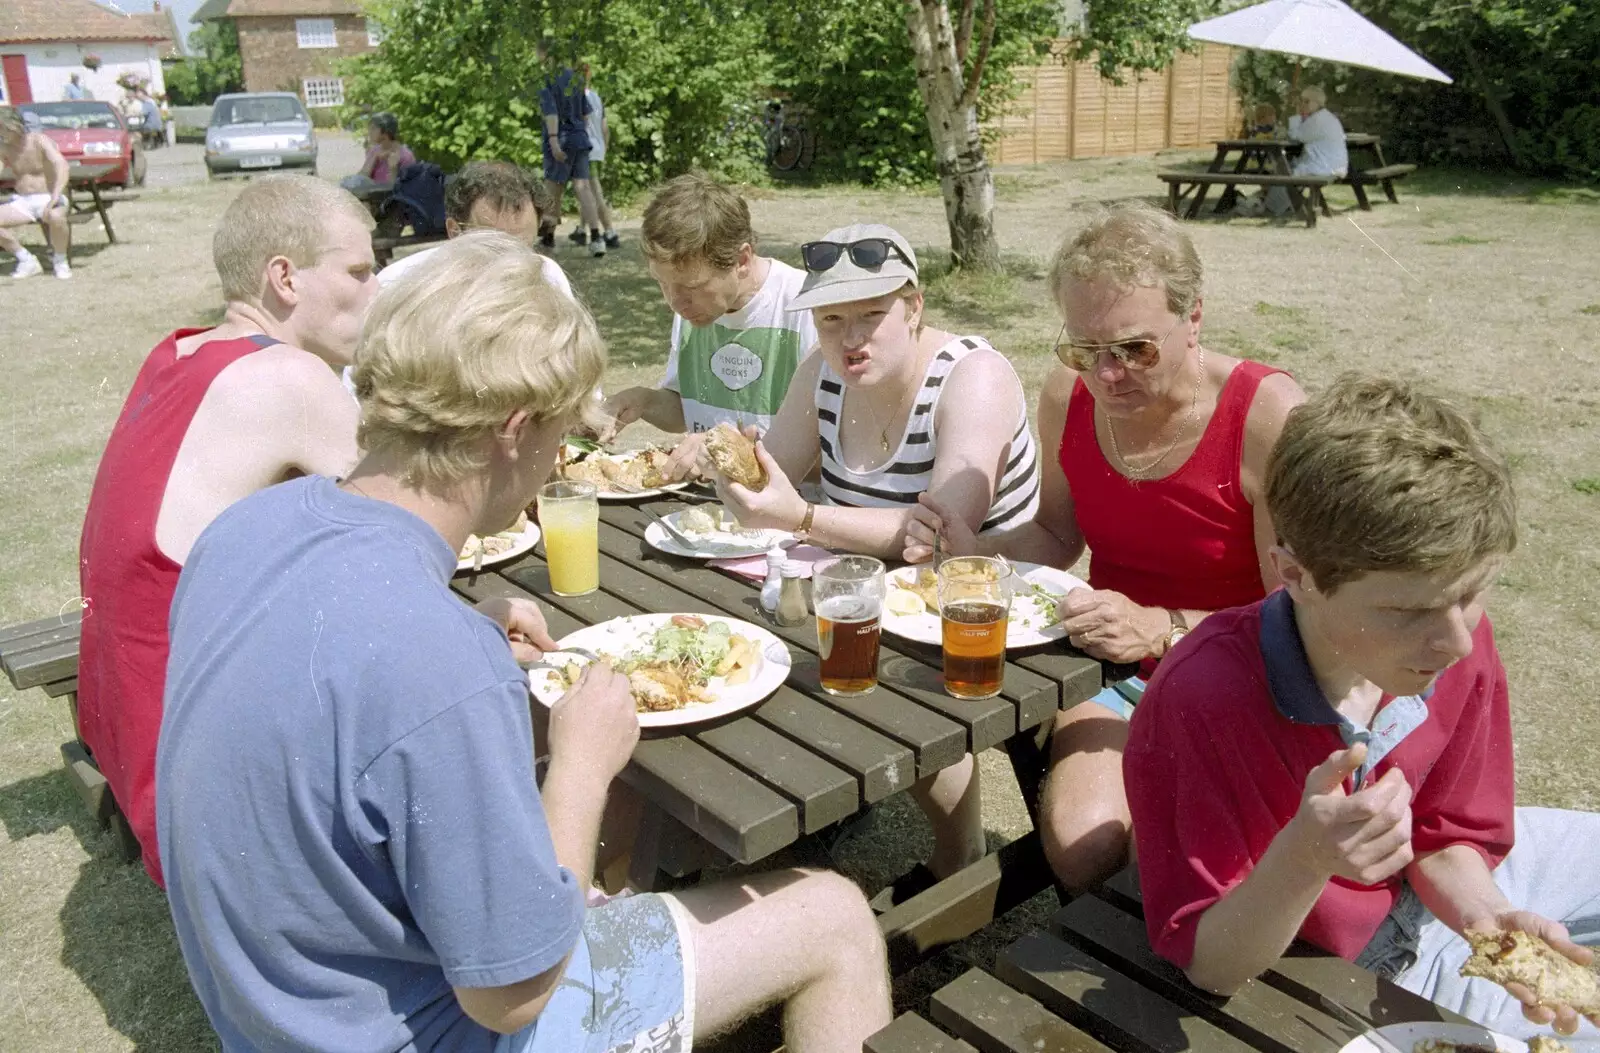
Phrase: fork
(677, 535)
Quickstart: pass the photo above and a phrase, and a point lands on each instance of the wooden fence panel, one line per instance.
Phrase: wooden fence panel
(1067, 110)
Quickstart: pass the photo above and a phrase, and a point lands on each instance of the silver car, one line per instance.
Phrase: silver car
(257, 131)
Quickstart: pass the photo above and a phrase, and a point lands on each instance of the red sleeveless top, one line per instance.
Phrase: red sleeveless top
(1186, 541)
(128, 582)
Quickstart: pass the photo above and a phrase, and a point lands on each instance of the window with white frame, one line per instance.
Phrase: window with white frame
(323, 91)
(374, 32)
(315, 33)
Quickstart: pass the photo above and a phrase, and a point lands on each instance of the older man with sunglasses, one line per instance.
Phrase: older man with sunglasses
(1162, 451)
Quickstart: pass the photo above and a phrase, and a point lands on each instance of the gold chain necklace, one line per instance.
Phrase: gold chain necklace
(1194, 407)
(883, 432)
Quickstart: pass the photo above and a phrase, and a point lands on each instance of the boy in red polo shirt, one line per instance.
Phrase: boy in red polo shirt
(1334, 763)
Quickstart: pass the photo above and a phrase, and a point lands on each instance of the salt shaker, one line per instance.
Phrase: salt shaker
(770, 589)
(792, 597)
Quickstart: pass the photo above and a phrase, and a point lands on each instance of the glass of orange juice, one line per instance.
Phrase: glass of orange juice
(569, 515)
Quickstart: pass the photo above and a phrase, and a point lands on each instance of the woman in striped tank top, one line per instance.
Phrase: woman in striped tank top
(1159, 449)
(892, 408)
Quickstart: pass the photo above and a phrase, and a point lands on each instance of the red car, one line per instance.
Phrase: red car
(92, 133)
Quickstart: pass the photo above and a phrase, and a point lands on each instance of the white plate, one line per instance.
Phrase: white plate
(620, 635)
(525, 542)
(1405, 1037)
(613, 495)
(717, 545)
(261, 161)
(1027, 628)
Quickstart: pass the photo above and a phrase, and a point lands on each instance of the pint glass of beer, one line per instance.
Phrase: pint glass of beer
(847, 594)
(974, 606)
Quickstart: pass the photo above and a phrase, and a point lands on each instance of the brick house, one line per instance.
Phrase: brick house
(44, 42)
(293, 45)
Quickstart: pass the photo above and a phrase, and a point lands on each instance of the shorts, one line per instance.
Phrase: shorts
(576, 166)
(629, 985)
(35, 205)
(1121, 697)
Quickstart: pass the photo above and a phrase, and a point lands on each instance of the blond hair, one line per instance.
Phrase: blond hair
(1133, 245)
(1375, 475)
(279, 216)
(458, 345)
(692, 218)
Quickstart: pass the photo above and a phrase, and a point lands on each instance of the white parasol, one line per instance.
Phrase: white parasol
(1319, 29)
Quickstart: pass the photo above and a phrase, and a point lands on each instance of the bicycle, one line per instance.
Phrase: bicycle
(790, 145)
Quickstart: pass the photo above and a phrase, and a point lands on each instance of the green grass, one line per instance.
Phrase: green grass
(1461, 239)
(1589, 485)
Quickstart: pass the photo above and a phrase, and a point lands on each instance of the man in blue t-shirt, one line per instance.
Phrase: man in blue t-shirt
(357, 854)
(564, 107)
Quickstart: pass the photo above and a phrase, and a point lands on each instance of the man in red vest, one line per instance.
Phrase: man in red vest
(214, 415)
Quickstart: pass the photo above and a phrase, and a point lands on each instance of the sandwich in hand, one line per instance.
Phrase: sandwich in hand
(1522, 958)
(734, 456)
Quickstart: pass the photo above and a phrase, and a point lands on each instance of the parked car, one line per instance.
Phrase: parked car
(257, 131)
(88, 132)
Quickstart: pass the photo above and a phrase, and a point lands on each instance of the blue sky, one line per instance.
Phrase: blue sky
(184, 9)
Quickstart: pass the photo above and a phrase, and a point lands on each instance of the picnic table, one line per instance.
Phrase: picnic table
(1269, 162)
(751, 786)
(1088, 982)
(803, 760)
(84, 178)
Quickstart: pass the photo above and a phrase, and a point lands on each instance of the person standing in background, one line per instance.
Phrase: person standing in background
(563, 108)
(599, 139)
(74, 91)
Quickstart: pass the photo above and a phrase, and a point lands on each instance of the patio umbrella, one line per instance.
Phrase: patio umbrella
(1319, 29)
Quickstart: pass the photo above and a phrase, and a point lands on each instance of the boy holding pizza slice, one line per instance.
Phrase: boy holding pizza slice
(1334, 763)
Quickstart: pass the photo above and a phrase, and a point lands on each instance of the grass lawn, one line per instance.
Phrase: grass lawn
(1480, 286)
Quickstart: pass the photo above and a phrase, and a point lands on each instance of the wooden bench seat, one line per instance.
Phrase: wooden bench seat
(1089, 981)
(1305, 191)
(383, 248)
(1359, 179)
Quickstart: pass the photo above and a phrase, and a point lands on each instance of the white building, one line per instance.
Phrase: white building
(44, 42)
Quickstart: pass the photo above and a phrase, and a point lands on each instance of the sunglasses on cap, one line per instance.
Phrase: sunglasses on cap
(870, 253)
(1138, 353)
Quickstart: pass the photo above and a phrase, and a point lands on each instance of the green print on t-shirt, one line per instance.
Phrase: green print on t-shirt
(739, 370)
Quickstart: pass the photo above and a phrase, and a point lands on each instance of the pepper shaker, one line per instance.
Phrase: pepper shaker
(792, 598)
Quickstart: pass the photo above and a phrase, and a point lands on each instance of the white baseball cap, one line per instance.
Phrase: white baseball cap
(845, 280)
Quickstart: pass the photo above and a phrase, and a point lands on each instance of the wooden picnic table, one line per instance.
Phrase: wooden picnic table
(1088, 982)
(802, 760)
(1275, 157)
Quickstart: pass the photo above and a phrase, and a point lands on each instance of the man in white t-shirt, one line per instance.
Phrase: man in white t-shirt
(484, 195)
(599, 139)
(488, 195)
(735, 344)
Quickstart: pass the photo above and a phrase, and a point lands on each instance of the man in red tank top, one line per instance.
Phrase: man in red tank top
(1162, 448)
(214, 415)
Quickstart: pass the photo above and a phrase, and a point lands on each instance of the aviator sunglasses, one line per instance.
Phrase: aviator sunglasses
(870, 253)
(1138, 353)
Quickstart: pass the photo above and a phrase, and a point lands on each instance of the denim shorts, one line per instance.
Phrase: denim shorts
(1121, 697)
(576, 166)
(629, 985)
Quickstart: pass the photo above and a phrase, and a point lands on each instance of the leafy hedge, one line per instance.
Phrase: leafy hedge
(683, 80)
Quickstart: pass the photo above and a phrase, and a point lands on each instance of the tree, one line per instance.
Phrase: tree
(213, 69)
(949, 89)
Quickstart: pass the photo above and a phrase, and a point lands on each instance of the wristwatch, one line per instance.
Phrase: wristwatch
(1180, 629)
(803, 531)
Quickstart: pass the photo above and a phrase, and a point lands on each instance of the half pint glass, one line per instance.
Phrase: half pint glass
(974, 607)
(847, 594)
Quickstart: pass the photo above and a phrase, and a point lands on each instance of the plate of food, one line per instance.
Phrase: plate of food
(714, 534)
(683, 668)
(623, 475)
(1429, 1037)
(911, 605)
(498, 548)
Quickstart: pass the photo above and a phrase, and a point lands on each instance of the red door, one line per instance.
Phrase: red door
(15, 68)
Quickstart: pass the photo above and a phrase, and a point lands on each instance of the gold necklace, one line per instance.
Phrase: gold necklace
(1194, 406)
(883, 432)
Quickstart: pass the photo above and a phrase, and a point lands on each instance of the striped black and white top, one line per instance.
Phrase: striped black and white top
(909, 470)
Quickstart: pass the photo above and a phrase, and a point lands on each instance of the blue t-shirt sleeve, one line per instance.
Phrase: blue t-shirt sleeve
(547, 102)
(455, 806)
